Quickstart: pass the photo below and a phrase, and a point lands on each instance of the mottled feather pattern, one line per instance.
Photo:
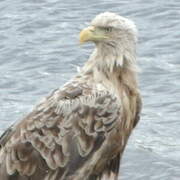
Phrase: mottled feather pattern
(50, 129)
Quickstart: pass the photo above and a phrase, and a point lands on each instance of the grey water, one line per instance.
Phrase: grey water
(39, 51)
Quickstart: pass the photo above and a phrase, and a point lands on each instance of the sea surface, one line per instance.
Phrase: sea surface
(39, 51)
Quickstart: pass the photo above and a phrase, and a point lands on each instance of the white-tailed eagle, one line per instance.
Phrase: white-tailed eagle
(80, 130)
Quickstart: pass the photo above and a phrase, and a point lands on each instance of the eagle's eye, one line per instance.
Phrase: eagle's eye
(108, 29)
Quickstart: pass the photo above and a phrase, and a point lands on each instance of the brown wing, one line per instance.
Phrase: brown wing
(138, 109)
(111, 170)
(65, 136)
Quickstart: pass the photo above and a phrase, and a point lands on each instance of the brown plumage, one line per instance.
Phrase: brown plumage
(79, 131)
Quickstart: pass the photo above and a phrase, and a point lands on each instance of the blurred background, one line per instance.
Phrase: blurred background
(39, 51)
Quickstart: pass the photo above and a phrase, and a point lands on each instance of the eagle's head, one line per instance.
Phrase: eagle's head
(115, 38)
(110, 29)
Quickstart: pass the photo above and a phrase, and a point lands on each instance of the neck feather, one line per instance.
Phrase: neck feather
(113, 68)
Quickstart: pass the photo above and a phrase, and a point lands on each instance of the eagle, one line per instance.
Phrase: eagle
(80, 130)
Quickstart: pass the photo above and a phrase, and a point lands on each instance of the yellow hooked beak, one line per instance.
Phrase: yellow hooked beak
(92, 33)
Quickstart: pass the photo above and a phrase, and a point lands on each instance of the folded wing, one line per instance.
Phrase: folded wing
(65, 136)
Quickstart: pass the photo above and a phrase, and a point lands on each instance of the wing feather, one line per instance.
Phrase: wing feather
(66, 127)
